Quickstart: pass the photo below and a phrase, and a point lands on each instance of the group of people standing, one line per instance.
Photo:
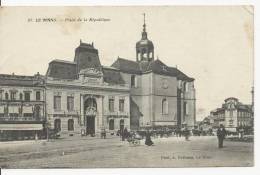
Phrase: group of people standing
(221, 134)
(125, 135)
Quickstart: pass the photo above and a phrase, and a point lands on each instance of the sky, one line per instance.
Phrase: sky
(214, 45)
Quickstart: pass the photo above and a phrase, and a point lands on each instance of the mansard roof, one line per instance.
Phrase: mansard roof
(244, 107)
(62, 69)
(21, 80)
(112, 76)
(156, 66)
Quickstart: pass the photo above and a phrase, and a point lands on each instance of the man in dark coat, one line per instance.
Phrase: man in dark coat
(148, 140)
(221, 133)
(125, 134)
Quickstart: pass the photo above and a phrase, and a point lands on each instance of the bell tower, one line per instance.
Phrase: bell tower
(144, 47)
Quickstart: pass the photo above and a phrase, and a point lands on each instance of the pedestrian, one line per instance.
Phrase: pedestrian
(103, 132)
(124, 134)
(148, 140)
(221, 134)
(186, 133)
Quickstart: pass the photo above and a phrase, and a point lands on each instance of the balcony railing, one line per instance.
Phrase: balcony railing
(20, 118)
(116, 113)
(21, 102)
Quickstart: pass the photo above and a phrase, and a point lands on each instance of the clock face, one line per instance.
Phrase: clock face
(164, 84)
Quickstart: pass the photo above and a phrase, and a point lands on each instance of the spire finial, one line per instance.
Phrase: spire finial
(144, 34)
(144, 23)
(80, 41)
(144, 17)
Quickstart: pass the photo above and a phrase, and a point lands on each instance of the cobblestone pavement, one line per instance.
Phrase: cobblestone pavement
(86, 152)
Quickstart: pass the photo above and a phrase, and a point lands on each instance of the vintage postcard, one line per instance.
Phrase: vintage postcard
(126, 87)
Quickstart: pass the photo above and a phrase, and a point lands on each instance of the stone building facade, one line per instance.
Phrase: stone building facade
(160, 95)
(83, 95)
(232, 115)
(22, 106)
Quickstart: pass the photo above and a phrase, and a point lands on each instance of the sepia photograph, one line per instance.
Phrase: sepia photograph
(126, 87)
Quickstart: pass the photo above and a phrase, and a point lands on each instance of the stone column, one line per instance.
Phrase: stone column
(99, 116)
(82, 109)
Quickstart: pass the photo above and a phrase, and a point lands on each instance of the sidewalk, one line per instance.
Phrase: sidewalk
(20, 142)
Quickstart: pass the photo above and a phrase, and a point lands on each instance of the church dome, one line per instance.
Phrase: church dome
(144, 47)
(144, 42)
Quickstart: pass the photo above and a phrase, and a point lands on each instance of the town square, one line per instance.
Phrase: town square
(155, 87)
(74, 152)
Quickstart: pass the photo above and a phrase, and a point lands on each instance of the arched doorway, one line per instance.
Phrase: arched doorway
(121, 124)
(90, 109)
(111, 124)
(57, 125)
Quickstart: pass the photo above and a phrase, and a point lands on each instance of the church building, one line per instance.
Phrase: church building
(160, 95)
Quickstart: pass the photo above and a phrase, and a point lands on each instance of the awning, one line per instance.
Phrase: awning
(23, 127)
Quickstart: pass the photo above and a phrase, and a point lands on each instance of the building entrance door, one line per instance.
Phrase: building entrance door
(90, 125)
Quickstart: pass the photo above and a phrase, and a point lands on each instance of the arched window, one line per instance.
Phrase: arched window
(150, 55)
(145, 55)
(90, 103)
(57, 125)
(111, 124)
(6, 96)
(164, 106)
(70, 125)
(139, 56)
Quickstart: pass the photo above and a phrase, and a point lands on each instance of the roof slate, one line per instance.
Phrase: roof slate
(127, 66)
(112, 76)
(155, 66)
